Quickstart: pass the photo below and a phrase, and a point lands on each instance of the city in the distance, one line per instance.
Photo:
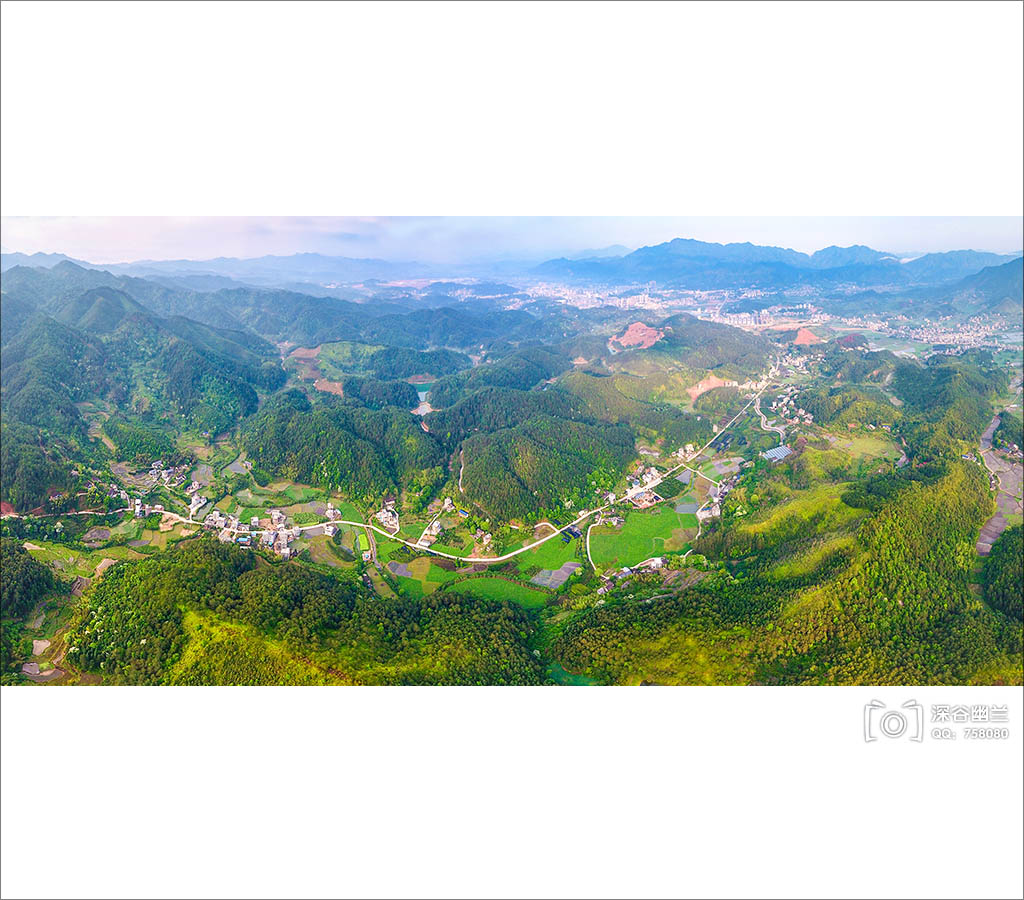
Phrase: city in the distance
(472, 451)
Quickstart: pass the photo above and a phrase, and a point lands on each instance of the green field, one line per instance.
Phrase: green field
(349, 511)
(70, 562)
(868, 445)
(646, 533)
(385, 548)
(549, 555)
(322, 550)
(426, 578)
(498, 589)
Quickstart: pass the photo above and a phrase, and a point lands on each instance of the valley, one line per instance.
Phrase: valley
(623, 485)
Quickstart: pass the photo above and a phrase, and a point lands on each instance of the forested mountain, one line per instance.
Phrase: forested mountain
(102, 344)
(283, 315)
(544, 464)
(1004, 574)
(948, 403)
(36, 260)
(206, 613)
(362, 452)
(995, 289)
(851, 561)
(829, 594)
(64, 348)
(521, 370)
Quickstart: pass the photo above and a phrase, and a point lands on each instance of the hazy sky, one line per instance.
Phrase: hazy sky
(464, 239)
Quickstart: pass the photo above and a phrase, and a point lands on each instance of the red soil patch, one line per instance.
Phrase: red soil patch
(305, 352)
(579, 361)
(639, 335)
(329, 387)
(707, 384)
(805, 336)
(6, 508)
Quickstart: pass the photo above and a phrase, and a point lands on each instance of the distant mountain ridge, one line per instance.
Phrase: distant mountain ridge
(36, 260)
(682, 263)
(693, 264)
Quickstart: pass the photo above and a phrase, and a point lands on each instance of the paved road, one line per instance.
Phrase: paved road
(767, 426)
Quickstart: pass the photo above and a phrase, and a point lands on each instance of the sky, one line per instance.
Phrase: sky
(464, 239)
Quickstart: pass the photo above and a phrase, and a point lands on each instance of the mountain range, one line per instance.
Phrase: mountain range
(697, 265)
(682, 262)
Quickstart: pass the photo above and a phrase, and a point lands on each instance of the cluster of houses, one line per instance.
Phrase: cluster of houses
(785, 405)
(277, 536)
(430, 534)
(144, 509)
(274, 533)
(638, 481)
(645, 499)
(387, 515)
(172, 476)
(716, 495)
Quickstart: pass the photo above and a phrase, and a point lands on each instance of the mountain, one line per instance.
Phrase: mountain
(996, 289)
(35, 260)
(615, 250)
(696, 265)
(299, 318)
(276, 270)
(834, 257)
(938, 267)
(100, 344)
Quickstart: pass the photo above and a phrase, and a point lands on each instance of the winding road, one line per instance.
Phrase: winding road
(582, 517)
(767, 426)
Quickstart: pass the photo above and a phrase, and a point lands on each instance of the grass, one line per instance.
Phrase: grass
(821, 504)
(869, 446)
(69, 562)
(549, 555)
(646, 533)
(300, 493)
(385, 548)
(491, 588)
(217, 652)
(350, 511)
(683, 656)
(345, 357)
(426, 578)
(382, 588)
(560, 676)
(411, 527)
(805, 563)
(322, 550)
